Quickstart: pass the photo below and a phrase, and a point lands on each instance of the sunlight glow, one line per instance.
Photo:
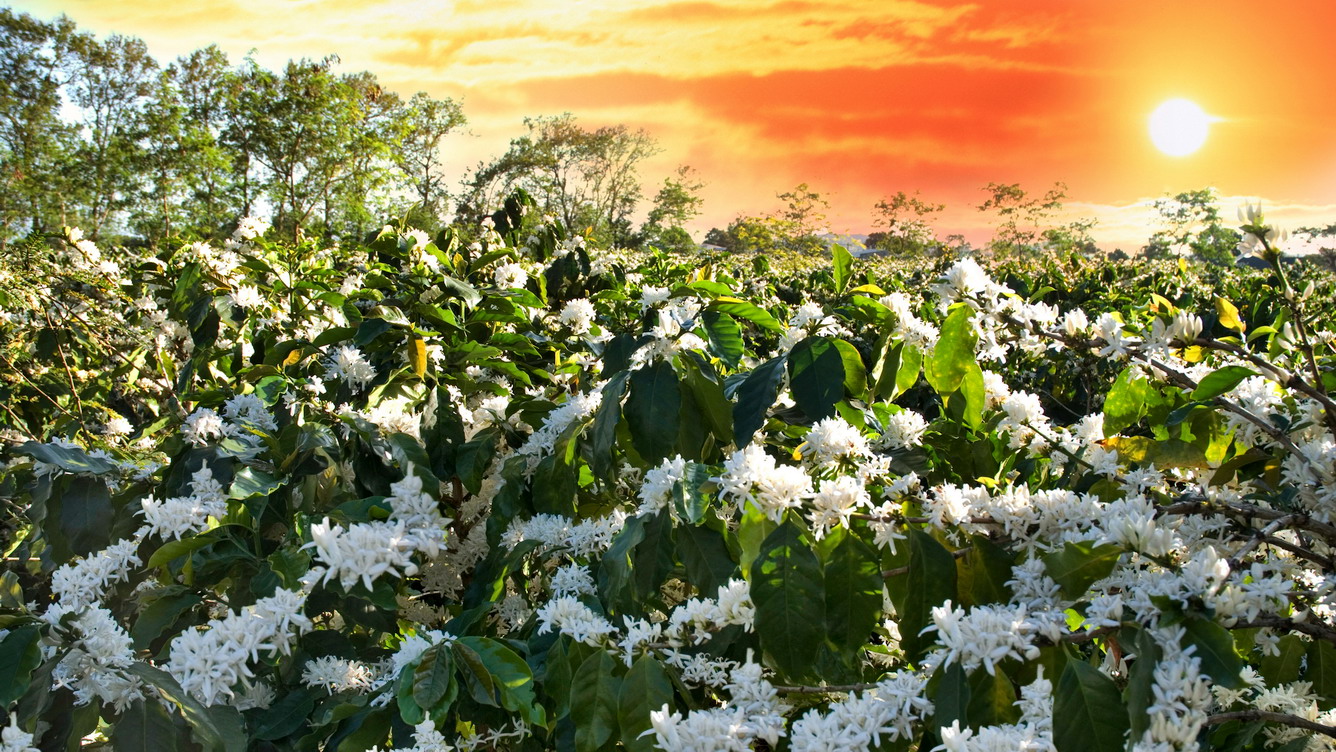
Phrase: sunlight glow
(1179, 127)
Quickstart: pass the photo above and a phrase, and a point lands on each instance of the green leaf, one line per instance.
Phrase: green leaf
(645, 689)
(511, 677)
(855, 373)
(816, 376)
(931, 581)
(975, 394)
(652, 410)
(595, 693)
(1215, 648)
(954, 351)
(1144, 450)
(69, 459)
(984, 572)
(992, 699)
(1088, 713)
(1321, 671)
(474, 672)
(556, 480)
(787, 588)
(705, 555)
(725, 337)
(161, 613)
(286, 715)
(203, 728)
(172, 550)
(1284, 667)
(250, 482)
(86, 514)
(434, 678)
(1125, 403)
(615, 569)
(951, 698)
(604, 432)
(907, 371)
(1220, 381)
(1141, 681)
(1078, 565)
(853, 587)
(841, 265)
(20, 655)
(145, 726)
(708, 396)
(743, 310)
(755, 398)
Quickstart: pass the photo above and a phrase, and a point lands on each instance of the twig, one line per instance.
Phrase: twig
(1268, 716)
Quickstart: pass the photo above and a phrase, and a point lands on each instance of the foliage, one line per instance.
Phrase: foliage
(533, 493)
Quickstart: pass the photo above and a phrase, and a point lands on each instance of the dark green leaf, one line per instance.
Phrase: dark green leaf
(20, 655)
(145, 726)
(434, 678)
(1283, 668)
(725, 337)
(475, 674)
(853, 587)
(652, 410)
(1078, 565)
(645, 689)
(1088, 713)
(1215, 648)
(705, 555)
(511, 676)
(755, 398)
(286, 715)
(161, 613)
(816, 376)
(992, 699)
(69, 459)
(951, 697)
(786, 586)
(931, 581)
(86, 514)
(604, 433)
(1140, 681)
(595, 692)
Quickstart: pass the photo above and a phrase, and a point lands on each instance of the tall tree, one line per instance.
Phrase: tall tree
(904, 222)
(33, 138)
(207, 87)
(587, 178)
(422, 126)
(677, 202)
(111, 81)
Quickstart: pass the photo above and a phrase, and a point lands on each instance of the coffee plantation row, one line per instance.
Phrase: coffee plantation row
(521, 493)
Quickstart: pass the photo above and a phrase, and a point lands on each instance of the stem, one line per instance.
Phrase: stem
(1285, 719)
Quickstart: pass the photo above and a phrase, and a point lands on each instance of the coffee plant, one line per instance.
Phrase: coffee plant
(523, 493)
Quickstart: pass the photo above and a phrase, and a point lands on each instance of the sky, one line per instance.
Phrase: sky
(858, 99)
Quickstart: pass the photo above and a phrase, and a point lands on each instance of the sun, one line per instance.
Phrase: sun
(1179, 127)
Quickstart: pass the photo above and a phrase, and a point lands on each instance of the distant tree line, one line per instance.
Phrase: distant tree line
(97, 133)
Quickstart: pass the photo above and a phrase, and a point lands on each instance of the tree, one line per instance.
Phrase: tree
(587, 178)
(1024, 221)
(207, 86)
(801, 218)
(110, 85)
(423, 124)
(677, 202)
(33, 138)
(904, 219)
(1191, 225)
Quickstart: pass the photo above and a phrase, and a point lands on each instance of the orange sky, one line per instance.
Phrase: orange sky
(858, 99)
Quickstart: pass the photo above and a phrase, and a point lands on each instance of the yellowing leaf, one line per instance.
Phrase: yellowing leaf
(293, 358)
(1160, 304)
(1194, 354)
(417, 356)
(1228, 315)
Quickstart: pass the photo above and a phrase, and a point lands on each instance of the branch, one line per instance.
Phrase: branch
(1267, 716)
